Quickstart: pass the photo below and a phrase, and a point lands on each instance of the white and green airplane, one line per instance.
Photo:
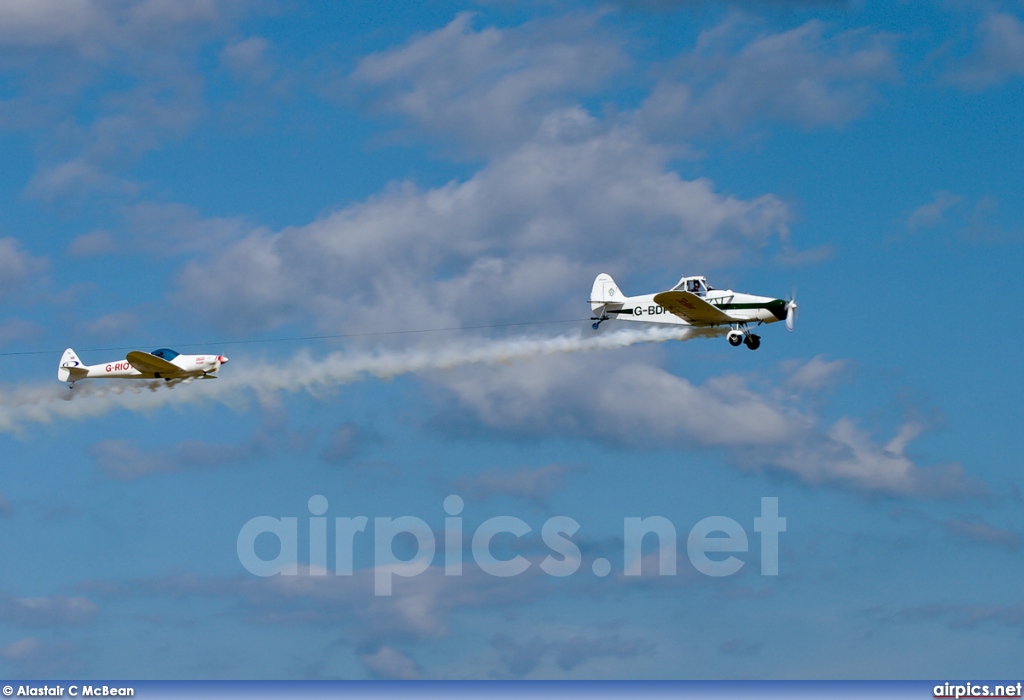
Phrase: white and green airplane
(692, 302)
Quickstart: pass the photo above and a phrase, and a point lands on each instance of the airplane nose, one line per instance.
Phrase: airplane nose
(221, 359)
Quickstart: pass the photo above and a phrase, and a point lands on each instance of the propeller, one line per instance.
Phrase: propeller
(791, 312)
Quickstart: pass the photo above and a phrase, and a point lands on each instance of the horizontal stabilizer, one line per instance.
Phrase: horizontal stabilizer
(72, 374)
(692, 308)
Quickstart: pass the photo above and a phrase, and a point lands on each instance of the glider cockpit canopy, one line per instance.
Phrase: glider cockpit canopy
(165, 354)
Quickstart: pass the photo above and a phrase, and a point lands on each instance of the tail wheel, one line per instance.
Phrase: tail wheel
(753, 341)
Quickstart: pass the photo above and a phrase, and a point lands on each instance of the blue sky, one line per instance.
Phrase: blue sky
(230, 177)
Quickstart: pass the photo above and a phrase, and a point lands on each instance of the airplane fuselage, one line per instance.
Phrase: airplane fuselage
(744, 308)
(190, 366)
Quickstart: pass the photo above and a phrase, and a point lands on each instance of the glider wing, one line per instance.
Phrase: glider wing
(151, 364)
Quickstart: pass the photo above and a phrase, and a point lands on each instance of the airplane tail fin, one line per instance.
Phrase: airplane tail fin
(70, 368)
(605, 290)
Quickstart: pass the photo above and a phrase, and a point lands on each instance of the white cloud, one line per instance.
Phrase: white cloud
(934, 212)
(537, 654)
(95, 27)
(73, 179)
(265, 83)
(124, 460)
(52, 23)
(113, 324)
(532, 484)
(33, 657)
(523, 238)
(388, 662)
(971, 221)
(15, 329)
(247, 59)
(420, 607)
(425, 610)
(17, 267)
(489, 88)
(21, 649)
(178, 13)
(998, 54)
(977, 530)
(125, 72)
(736, 76)
(845, 454)
(966, 615)
(251, 284)
(92, 243)
(645, 407)
(170, 228)
(46, 611)
(347, 441)
(639, 404)
(814, 374)
(971, 528)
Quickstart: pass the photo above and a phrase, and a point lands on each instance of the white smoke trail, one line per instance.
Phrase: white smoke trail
(39, 403)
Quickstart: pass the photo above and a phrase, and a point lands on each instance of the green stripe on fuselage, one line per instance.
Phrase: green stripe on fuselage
(776, 306)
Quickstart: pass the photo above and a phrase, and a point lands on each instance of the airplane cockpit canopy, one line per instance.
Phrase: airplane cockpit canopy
(694, 285)
(165, 353)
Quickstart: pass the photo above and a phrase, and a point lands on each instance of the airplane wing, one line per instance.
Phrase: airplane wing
(151, 364)
(692, 308)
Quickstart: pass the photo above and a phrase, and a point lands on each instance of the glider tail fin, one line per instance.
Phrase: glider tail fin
(605, 290)
(70, 368)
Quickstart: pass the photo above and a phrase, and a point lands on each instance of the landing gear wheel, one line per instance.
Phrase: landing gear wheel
(753, 341)
(595, 326)
(735, 340)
